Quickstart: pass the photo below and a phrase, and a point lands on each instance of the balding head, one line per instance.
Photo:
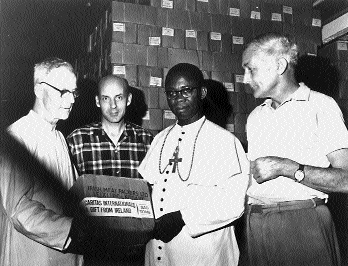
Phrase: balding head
(113, 80)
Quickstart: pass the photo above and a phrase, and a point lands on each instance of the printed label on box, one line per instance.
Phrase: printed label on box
(216, 36)
(191, 34)
(119, 70)
(117, 207)
(255, 15)
(155, 41)
(169, 115)
(287, 10)
(167, 31)
(155, 81)
(229, 86)
(316, 22)
(240, 78)
(234, 12)
(205, 1)
(118, 27)
(342, 46)
(276, 17)
(167, 4)
(311, 54)
(237, 40)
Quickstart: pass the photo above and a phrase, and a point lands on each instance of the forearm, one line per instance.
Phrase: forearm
(323, 179)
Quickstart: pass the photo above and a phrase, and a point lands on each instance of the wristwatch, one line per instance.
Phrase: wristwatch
(299, 174)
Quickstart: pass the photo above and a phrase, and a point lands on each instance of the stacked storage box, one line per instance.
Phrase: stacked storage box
(141, 39)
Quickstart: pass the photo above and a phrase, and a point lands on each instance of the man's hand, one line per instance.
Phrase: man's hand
(168, 226)
(267, 168)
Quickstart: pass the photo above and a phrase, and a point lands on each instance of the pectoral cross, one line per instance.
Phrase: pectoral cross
(176, 159)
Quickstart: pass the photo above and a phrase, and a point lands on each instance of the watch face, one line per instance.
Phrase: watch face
(299, 175)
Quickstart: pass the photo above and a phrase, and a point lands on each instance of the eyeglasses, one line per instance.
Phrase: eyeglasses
(62, 92)
(186, 92)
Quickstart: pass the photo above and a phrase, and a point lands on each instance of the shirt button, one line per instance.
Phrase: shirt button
(182, 132)
(164, 190)
(161, 199)
(165, 180)
(180, 139)
(161, 209)
(167, 172)
(159, 247)
(159, 258)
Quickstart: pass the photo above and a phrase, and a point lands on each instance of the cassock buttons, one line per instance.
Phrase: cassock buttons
(161, 199)
(161, 209)
(159, 247)
(159, 258)
(180, 139)
(164, 190)
(183, 133)
(165, 180)
(167, 172)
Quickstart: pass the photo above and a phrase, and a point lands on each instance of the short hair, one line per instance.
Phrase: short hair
(43, 68)
(275, 44)
(118, 79)
(187, 70)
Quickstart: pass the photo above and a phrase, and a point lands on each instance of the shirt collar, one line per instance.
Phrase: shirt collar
(126, 132)
(191, 126)
(301, 94)
(41, 122)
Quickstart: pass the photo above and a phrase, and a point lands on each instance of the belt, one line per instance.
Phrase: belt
(286, 205)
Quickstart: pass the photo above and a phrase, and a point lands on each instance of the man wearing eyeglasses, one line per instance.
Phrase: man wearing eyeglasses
(34, 230)
(199, 176)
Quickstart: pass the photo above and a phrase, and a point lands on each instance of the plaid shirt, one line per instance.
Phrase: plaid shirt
(93, 151)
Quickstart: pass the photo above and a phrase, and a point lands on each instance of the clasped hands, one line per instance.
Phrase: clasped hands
(267, 168)
(168, 226)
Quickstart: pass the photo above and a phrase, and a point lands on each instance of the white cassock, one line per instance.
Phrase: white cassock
(33, 228)
(208, 187)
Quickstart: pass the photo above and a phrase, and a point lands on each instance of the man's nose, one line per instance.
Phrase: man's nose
(113, 104)
(246, 79)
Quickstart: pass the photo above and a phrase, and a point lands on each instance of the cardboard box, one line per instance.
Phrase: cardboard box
(129, 72)
(220, 23)
(152, 56)
(173, 38)
(168, 118)
(149, 35)
(239, 82)
(172, 18)
(121, 208)
(288, 14)
(150, 76)
(207, 61)
(196, 40)
(162, 98)
(153, 119)
(336, 51)
(177, 56)
(124, 32)
(189, 5)
(151, 97)
(163, 59)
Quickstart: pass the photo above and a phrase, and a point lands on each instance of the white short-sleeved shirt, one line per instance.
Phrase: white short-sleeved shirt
(305, 128)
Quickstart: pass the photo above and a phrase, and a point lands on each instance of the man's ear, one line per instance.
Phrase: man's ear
(97, 101)
(282, 65)
(129, 98)
(204, 92)
(38, 90)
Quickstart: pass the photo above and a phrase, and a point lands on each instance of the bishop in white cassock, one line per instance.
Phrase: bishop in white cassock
(199, 175)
